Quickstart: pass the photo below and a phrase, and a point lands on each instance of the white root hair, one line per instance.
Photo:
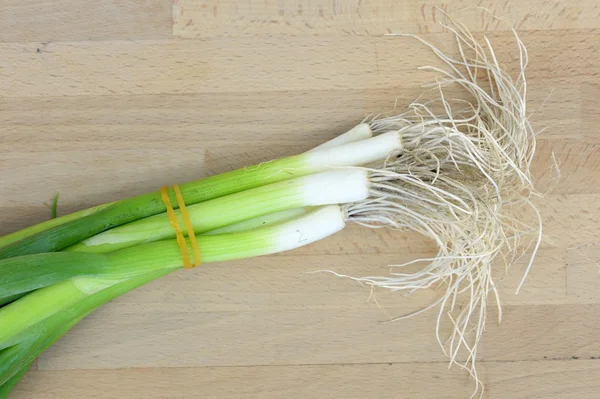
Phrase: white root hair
(461, 179)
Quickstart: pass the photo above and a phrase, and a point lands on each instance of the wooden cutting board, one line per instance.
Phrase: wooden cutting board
(102, 100)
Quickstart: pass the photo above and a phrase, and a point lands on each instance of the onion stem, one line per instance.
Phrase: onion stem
(64, 235)
(107, 270)
(326, 188)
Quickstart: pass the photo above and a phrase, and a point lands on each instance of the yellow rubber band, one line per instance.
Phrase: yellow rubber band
(185, 256)
(188, 225)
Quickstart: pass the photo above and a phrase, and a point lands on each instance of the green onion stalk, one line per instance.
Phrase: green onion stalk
(359, 132)
(55, 290)
(82, 282)
(58, 234)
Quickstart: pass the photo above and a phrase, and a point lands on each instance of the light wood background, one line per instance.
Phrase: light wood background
(106, 99)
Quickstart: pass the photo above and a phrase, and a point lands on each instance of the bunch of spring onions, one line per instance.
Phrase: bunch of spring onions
(451, 170)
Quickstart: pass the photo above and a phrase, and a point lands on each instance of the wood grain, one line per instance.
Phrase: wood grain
(213, 66)
(558, 379)
(199, 19)
(50, 21)
(102, 100)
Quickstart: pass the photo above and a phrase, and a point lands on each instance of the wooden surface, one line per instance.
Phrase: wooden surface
(106, 99)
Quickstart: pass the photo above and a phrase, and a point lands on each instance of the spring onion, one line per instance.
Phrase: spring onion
(66, 234)
(455, 172)
(359, 132)
(332, 187)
